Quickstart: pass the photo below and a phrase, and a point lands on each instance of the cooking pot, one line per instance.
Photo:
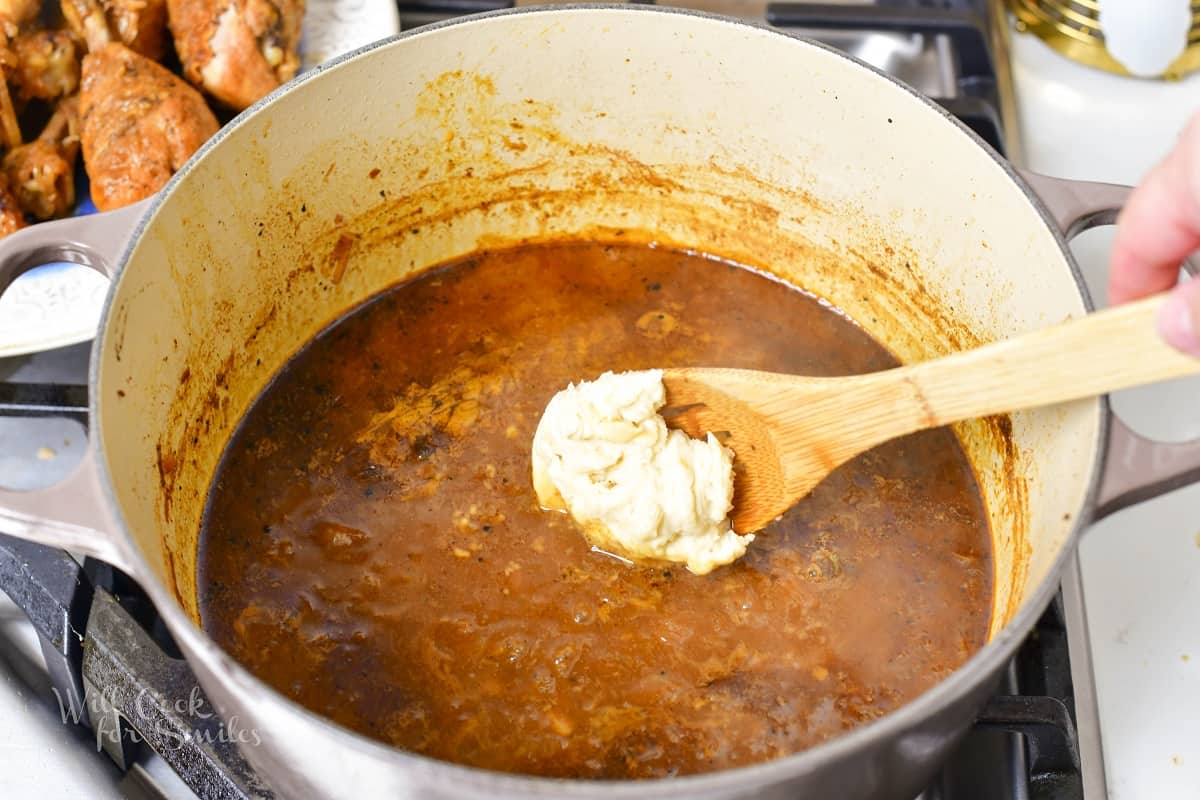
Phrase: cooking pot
(595, 123)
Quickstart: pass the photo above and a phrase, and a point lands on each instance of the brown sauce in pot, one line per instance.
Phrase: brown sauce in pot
(373, 548)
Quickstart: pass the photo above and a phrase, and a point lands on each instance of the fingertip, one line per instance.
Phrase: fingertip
(1155, 230)
(1131, 277)
(1179, 319)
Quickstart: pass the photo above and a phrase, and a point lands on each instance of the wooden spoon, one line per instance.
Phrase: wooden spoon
(788, 432)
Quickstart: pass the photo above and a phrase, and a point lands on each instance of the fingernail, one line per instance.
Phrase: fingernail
(1179, 320)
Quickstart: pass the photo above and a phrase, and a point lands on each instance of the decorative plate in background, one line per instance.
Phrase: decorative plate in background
(59, 304)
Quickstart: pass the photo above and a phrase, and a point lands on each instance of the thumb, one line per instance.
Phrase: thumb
(1179, 320)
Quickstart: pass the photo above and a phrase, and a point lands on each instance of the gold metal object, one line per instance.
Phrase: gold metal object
(1072, 27)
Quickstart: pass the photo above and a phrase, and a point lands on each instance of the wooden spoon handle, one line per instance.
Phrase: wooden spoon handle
(1102, 352)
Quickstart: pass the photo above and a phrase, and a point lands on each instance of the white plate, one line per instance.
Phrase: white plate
(59, 304)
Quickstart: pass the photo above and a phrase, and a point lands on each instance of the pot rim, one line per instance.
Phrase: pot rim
(979, 667)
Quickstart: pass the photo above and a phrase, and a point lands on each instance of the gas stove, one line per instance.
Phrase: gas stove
(99, 703)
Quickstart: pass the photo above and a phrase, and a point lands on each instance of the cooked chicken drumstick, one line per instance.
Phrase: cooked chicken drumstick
(10, 128)
(19, 11)
(140, 124)
(237, 50)
(137, 123)
(41, 174)
(37, 178)
(141, 25)
(46, 65)
(11, 218)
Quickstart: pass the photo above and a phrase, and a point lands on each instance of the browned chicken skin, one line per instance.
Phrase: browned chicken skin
(139, 24)
(11, 218)
(10, 128)
(140, 124)
(41, 174)
(47, 65)
(19, 11)
(42, 177)
(237, 50)
(135, 122)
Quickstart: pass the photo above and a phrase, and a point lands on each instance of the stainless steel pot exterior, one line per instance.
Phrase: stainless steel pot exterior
(589, 123)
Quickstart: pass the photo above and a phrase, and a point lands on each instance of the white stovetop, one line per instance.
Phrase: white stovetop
(1141, 567)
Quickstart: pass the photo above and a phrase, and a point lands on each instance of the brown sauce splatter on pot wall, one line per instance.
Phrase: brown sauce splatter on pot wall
(372, 546)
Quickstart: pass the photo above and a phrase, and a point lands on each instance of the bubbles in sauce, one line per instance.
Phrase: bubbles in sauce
(373, 548)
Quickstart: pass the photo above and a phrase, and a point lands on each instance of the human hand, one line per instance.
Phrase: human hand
(1159, 227)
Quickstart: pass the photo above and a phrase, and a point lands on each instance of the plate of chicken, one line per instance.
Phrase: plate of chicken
(102, 101)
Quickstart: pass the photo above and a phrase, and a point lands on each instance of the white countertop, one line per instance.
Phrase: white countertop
(1141, 567)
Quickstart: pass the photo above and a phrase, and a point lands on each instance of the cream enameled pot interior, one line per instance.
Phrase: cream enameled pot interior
(594, 124)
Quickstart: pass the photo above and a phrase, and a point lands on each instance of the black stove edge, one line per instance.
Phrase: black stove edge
(44, 400)
(137, 693)
(109, 674)
(1046, 724)
(55, 594)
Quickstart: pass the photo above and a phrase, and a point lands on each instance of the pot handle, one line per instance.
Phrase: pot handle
(72, 514)
(94, 240)
(1135, 468)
